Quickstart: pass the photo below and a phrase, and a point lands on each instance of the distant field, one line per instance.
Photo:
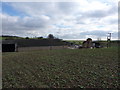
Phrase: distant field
(1, 38)
(85, 68)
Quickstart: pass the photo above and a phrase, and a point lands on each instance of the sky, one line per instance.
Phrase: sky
(66, 20)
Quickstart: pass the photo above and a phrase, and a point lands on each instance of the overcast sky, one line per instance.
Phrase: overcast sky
(65, 20)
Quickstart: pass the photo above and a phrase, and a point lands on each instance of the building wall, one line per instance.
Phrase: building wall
(8, 48)
(35, 42)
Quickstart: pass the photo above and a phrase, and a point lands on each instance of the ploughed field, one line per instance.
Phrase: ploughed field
(63, 68)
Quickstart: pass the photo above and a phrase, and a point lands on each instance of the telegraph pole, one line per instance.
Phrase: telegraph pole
(109, 39)
(110, 35)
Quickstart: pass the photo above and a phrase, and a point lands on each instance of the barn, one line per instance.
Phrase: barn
(8, 46)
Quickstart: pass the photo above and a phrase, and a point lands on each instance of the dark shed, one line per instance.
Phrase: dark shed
(8, 46)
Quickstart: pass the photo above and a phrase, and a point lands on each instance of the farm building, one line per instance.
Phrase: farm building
(9, 46)
(35, 42)
(87, 43)
(12, 45)
(91, 44)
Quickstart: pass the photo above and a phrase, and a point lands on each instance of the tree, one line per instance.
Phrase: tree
(27, 38)
(50, 36)
(40, 37)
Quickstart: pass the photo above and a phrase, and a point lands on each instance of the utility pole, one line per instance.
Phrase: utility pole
(109, 40)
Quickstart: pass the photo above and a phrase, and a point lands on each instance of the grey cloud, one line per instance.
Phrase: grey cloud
(57, 12)
(95, 32)
(81, 35)
(97, 15)
(113, 21)
(67, 7)
(99, 33)
(34, 23)
(92, 34)
(100, 13)
(62, 9)
(73, 36)
(24, 24)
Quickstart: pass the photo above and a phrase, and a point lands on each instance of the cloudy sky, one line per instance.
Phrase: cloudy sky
(65, 20)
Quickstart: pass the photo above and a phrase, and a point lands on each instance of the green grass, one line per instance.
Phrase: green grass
(85, 68)
(2, 38)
